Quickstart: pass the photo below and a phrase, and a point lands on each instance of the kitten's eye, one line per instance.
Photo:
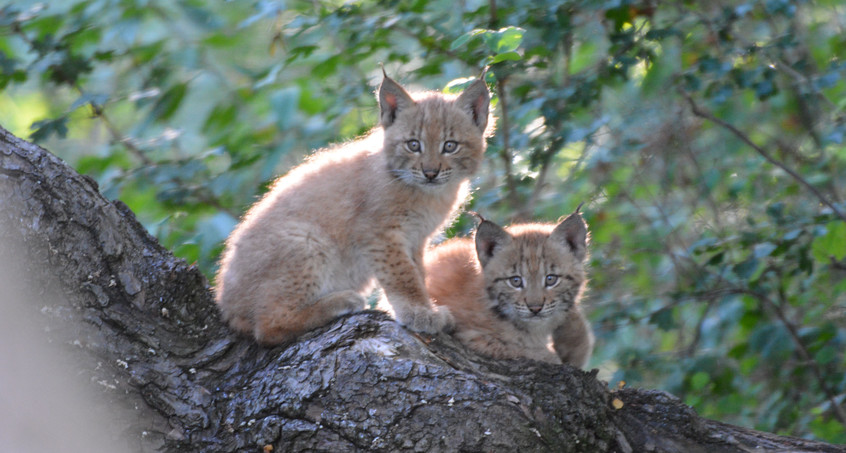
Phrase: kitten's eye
(551, 280)
(450, 147)
(515, 282)
(413, 146)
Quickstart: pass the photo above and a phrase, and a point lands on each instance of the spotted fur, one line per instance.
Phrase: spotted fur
(515, 292)
(356, 216)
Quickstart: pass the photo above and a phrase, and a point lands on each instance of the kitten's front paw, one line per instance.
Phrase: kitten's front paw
(427, 320)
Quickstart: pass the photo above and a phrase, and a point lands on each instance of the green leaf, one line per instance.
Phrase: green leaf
(746, 268)
(188, 251)
(466, 37)
(45, 128)
(327, 67)
(284, 104)
(221, 116)
(147, 52)
(763, 249)
(508, 56)
(825, 355)
(96, 99)
(169, 102)
(508, 39)
(699, 380)
(663, 319)
(772, 341)
(7, 65)
(458, 85)
(831, 244)
(69, 69)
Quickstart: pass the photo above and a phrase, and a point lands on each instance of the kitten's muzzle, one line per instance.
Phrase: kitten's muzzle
(431, 173)
(535, 309)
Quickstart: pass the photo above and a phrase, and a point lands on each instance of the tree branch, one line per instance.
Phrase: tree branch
(698, 111)
(512, 194)
(141, 327)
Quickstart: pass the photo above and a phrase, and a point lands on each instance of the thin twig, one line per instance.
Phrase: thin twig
(700, 178)
(99, 113)
(505, 153)
(670, 236)
(429, 44)
(697, 334)
(512, 195)
(494, 19)
(698, 111)
(540, 182)
(803, 353)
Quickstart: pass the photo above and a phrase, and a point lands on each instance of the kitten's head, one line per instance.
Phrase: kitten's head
(433, 140)
(533, 272)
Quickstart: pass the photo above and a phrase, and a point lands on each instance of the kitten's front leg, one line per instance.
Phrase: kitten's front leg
(401, 278)
(573, 339)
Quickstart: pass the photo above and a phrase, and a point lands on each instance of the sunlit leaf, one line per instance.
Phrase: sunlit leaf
(508, 40)
(508, 56)
(832, 244)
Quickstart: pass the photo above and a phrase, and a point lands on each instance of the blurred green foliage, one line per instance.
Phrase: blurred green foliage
(706, 138)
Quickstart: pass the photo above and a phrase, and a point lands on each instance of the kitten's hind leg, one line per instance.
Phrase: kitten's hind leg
(284, 322)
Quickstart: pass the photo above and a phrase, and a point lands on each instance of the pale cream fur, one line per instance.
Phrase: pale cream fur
(471, 278)
(356, 216)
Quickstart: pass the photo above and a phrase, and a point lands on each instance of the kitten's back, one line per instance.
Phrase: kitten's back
(460, 285)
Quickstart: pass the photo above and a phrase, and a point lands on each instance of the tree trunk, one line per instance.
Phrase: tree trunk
(139, 327)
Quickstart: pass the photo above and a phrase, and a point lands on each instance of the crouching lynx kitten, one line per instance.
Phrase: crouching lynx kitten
(515, 291)
(315, 245)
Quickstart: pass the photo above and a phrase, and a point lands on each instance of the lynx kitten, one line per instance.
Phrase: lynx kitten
(516, 292)
(317, 244)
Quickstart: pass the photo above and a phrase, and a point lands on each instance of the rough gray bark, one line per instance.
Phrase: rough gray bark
(140, 327)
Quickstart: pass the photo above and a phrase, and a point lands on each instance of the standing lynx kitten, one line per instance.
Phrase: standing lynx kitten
(314, 247)
(515, 292)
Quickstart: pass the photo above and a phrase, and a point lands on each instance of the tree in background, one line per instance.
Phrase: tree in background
(706, 139)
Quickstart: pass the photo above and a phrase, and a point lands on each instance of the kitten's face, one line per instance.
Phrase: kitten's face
(533, 272)
(434, 140)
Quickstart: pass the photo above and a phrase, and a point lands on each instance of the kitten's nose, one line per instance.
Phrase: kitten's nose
(535, 309)
(431, 173)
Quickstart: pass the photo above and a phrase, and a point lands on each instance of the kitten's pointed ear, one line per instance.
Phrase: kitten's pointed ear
(392, 99)
(572, 233)
(490, 238)
(475, 100)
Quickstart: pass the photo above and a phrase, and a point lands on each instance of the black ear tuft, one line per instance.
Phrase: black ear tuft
(490, 238)
(477, 215)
